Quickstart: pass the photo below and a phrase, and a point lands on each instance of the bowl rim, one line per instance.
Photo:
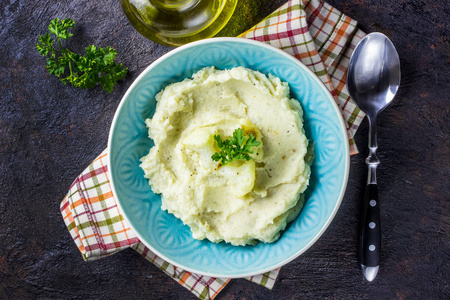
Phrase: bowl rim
(300, 65)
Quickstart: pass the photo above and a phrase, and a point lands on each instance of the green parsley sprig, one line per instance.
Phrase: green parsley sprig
(96, 67)
(235, 148)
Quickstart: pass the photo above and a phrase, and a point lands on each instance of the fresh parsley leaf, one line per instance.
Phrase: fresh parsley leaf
(235, 148)
(61, 29)
(97, 66)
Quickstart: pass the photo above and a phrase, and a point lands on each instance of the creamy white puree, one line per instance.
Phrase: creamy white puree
(244, 201)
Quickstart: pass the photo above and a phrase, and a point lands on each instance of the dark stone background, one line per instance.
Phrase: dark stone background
(50, 132)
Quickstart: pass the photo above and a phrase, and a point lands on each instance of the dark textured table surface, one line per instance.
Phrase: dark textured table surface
(50, 132)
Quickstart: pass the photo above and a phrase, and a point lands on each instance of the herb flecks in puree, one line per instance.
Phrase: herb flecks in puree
(229, 155)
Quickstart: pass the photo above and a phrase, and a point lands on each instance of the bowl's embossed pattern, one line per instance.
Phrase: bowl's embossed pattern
(165, 234)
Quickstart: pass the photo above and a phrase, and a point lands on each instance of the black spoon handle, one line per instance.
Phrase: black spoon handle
(370, 239)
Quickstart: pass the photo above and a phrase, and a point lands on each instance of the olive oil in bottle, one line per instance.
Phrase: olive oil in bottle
(177, 22)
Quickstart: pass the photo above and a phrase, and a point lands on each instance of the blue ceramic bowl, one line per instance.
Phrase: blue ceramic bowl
(166, 235)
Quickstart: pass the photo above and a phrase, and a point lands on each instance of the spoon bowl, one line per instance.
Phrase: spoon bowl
(373, 79)
(373, 76)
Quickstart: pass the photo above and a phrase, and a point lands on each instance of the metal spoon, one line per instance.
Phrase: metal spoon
(373, 79)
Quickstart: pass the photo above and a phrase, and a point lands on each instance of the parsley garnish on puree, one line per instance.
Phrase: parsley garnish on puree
(235, 148)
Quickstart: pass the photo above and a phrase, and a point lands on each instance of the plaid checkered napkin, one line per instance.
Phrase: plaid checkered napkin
(318, 35)
(98, 229)
(322, 38)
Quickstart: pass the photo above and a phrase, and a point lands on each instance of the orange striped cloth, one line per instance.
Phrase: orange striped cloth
(323, 39)
(312, 31)
(96, 225)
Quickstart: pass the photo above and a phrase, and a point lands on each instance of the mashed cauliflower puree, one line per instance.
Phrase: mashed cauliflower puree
(245, 201)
